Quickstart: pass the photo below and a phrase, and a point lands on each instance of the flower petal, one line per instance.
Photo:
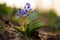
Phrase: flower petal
(28, 4)
(17, 15)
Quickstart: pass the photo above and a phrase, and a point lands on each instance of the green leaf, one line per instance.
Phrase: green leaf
(19, 30)
(26, 29)
(32, 16)
(34, 26)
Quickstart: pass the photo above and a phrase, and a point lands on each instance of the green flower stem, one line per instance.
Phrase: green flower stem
(27, 38)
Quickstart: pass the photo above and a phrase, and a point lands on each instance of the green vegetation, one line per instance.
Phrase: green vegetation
(36, 20)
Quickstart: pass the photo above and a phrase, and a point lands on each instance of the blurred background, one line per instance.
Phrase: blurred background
(8, 8)
(48, 12)
(39, 4)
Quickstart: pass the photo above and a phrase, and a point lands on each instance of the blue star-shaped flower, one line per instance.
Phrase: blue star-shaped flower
(27, 6)
(24, 12)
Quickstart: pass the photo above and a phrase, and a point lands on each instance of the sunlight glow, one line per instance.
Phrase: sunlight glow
(40, 4)
(56, 6)
(46, 4)
(18, 3)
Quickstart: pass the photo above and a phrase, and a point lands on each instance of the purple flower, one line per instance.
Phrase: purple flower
(20, 11)
(31, 10)
(27, 6)
(17, 15)
(24, 12)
